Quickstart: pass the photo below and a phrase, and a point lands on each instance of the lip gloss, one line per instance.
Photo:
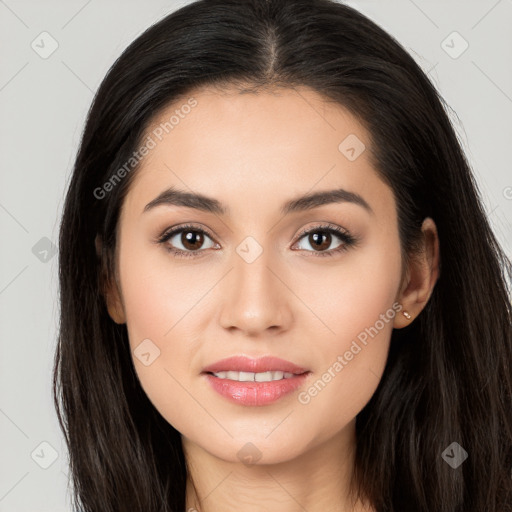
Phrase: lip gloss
(253, 393)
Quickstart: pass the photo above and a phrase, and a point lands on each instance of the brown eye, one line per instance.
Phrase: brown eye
(192, 240)
(320, 242)
(185, 241)
(321, 237)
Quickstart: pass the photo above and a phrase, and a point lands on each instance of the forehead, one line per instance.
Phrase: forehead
(251, 129)
(251, 147)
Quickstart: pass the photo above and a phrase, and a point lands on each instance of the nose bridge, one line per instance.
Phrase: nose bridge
(253, 297)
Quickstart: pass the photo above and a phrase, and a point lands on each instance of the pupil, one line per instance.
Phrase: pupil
(192, 239)
(319, 240)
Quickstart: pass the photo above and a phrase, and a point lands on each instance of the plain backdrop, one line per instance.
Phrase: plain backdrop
(43, 102)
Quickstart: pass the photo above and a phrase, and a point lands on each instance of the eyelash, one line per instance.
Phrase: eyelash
(347, 239)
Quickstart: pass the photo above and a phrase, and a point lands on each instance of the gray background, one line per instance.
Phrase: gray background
(43, 102)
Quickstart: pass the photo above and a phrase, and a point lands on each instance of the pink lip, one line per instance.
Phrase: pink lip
(246, 364)
(254, 393)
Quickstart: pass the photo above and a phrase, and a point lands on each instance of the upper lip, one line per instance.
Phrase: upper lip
(247, 364)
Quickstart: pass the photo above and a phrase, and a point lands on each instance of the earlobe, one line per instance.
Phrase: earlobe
(110, 292)
(115, 307)
(422, 275)
(402, 318)
(114, 304)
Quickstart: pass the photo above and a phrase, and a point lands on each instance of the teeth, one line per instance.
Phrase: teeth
(254, 377)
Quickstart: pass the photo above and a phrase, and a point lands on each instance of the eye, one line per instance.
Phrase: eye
(320, 237)
(190, 237)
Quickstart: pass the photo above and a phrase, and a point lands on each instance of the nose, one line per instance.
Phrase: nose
(255, 298)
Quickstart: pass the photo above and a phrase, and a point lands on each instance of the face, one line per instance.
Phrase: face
(255, 278)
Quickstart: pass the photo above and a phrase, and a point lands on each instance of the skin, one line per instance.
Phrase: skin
(253, 152)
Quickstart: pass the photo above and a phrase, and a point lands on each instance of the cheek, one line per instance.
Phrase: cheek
(349, 295)
(157, 294)
(355, 303)
(158, 300)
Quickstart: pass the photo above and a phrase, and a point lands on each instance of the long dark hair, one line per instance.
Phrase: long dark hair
(448, 376)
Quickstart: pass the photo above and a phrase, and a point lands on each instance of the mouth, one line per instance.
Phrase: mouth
(244, 365)
(253, 377)
(254, 382)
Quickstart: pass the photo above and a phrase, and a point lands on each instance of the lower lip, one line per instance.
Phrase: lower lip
(255, 393)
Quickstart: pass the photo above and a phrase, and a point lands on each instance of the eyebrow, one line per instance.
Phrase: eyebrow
(176, 197)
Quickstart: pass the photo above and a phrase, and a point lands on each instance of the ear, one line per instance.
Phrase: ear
(110, 291)
(422, 275)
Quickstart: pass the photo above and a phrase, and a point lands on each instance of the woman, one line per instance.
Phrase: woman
(210, 357)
